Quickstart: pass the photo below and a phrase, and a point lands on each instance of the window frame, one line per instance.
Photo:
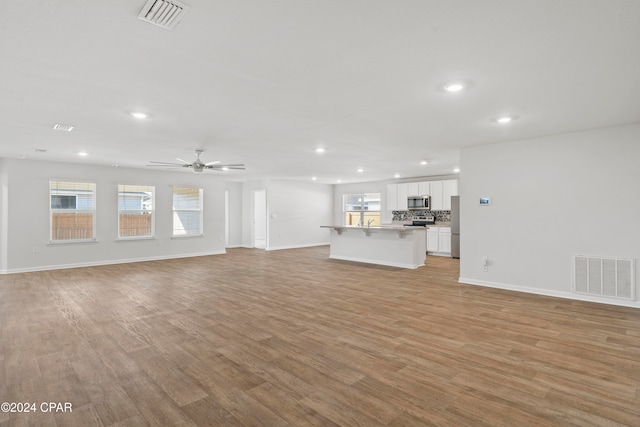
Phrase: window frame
(175, 213)
(93, 211)
(362, 209)
(141, 211)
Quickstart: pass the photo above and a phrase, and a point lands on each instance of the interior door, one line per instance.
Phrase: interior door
(260, 219)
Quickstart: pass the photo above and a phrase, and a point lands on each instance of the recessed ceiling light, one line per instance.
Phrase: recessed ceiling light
(338, 180)
(454, 87)
(456, 170)
(82, 154)
(503, 120)
(396, 175)
(360, 170)
(423, 162)
(313, 178)
(224, 168)
(320, 150)
(63, 127)
(139, 115)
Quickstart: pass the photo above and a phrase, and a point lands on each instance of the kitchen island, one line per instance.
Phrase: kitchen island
(394, 246)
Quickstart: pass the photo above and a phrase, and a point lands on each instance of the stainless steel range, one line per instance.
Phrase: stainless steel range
(422, 221)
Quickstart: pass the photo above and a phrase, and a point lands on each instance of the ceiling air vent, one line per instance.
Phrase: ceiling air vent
(63, 127)
(163, 13)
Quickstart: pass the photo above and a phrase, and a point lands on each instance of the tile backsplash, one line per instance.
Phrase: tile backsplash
(441, 216)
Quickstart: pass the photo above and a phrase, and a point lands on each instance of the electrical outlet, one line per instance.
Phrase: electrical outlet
(485, 268)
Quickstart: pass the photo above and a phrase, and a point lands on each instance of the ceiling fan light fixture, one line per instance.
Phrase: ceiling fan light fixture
(198, 165)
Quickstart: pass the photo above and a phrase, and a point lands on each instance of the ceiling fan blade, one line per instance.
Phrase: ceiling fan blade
(170, 166)
(226, 167)
(183, 161)
(165, 163)
(212, 163)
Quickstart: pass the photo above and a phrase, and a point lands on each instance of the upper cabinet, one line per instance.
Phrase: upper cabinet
(440, 192)
(424, 188)
(450, 188)
(403, 193)
(397, 197)
(392, 197)
(437, 191)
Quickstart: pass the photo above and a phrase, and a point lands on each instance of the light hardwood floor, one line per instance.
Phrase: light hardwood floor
(293, 338)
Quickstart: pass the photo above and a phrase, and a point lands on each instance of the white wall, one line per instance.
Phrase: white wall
(235, 213)
(4, 214)
(295, 212)
(27, 215)
(552, 198)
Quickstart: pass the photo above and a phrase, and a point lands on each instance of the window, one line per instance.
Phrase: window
(361, 209)
(136, 217)
(187, 211)
(72, 211)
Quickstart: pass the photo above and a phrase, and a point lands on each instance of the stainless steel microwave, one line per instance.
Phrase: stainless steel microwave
(418, 202)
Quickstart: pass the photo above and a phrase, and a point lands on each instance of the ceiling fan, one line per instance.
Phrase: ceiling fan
(198, 165)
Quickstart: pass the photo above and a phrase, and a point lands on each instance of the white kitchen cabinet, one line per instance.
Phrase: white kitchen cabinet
(441, 192)
(437, 193)
(444, 240)
(392, 197)
(423, 188)
(439, 241)
(433, 243)
(449, 188)
(413, 189)
(403, 193)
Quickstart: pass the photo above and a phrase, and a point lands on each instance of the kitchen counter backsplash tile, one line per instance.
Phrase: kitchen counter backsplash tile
(440, 216)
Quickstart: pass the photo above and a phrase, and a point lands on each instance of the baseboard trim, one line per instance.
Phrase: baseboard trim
(368, 261)
(306, 245)
(549, 293)
(108, 262)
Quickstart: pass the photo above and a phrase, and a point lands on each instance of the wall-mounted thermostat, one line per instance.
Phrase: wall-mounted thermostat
(485, 201)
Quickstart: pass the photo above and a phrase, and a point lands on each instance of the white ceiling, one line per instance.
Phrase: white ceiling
(266, 82)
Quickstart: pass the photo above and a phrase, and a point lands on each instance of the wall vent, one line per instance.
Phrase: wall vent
(163, 13)
(604, 277)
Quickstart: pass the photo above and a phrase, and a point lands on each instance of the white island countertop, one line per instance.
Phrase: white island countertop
(395, 246)
(395, 228)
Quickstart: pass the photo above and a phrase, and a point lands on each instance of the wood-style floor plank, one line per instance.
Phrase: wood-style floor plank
(291, 338)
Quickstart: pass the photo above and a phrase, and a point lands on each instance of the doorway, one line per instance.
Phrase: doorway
(260, 219)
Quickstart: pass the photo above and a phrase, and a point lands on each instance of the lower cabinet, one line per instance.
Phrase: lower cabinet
(439, 241)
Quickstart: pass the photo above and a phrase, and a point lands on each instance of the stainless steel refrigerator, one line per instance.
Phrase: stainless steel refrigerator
(455, 226)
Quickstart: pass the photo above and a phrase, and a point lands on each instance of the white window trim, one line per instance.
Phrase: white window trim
(362, 211)
(153, 214)
(93, 211)
(174, 211)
